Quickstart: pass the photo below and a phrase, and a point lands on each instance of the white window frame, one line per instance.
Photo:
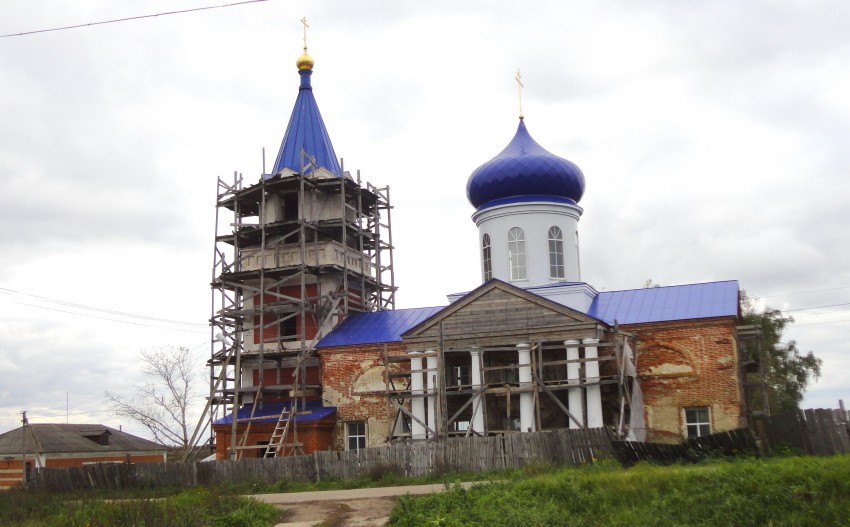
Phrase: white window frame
(488, 257)
(692, 419)
(517, 254)
(460, 426)
(359, 437)
(556, 253)
(460, 376)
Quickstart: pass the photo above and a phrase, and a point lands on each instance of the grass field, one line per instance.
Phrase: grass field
(790, 491)
(793, 491)
(197, 507)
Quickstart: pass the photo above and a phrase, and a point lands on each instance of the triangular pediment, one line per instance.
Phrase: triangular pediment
(498, 308)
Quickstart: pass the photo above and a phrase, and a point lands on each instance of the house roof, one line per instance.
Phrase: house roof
(270, 412)
(659, 304)
(376, 326)
(66, 438)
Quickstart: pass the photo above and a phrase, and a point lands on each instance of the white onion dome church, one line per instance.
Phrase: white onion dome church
(527, 213)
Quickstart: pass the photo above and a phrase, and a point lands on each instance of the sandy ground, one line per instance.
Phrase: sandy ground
(355, 508)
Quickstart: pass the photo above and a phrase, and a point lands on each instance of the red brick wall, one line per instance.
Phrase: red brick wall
(314, 436)
(10, 469)
(271, 332)
(270, 376)
(352, 377)
(60, 462)
(688, 364)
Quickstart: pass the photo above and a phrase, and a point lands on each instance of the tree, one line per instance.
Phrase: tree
(164, 403)
(787, 371)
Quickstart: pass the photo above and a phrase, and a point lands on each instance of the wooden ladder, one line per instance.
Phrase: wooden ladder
(278, 444)
(281, 432)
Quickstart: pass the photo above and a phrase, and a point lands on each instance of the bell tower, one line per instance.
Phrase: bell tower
(295, 252)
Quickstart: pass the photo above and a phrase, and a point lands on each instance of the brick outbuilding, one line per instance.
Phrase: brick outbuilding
(70, 445)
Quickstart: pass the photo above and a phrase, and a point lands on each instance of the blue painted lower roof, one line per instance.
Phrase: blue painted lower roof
(631, 306)
(661, 304)
(376, 326)
(269, 412)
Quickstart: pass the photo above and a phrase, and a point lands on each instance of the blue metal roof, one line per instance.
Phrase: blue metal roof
(306, 130)
(658, 304)
(524, 168)
(270, 412)
(376, 326)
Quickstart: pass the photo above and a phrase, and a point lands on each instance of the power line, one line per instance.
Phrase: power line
(86, 307)
(82, 407)
(821, 323)
(132, 383)
(127, 19)
(818, 307)
(810, 291)
(105, 318)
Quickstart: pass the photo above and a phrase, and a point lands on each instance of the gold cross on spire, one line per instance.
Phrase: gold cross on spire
(518, 78)
(304, 21)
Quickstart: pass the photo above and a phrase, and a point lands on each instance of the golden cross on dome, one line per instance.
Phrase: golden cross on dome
(304, 21)
(518, 78)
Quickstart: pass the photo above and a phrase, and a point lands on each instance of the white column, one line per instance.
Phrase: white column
(417, 402)
(526, 399)
(475, 376)
(431, 384)
(594, 393)
(573, 373)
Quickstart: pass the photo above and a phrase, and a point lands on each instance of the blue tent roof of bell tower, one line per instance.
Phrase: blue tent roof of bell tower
(306, 131)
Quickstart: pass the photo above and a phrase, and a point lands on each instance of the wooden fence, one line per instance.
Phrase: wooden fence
(817, 432)
(820, 432)
(731, 443)
(468, 454)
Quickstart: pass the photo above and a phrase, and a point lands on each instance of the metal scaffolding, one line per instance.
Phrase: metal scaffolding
(298, 253)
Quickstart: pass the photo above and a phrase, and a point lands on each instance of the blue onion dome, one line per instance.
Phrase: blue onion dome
(524, 170)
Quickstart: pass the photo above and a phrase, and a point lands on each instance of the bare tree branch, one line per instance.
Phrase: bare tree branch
(163, 405)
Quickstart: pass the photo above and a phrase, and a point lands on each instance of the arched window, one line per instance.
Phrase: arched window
(556, 253)
(488, 261)
(516, 253)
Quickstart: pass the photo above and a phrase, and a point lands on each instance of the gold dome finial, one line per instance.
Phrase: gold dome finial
(518, 78)
(305, 61)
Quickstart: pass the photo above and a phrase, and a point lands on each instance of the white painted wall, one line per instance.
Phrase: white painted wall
(535, 219)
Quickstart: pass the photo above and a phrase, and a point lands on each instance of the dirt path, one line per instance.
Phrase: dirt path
(332, 508)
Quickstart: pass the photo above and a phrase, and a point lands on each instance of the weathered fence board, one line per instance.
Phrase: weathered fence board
(461, 454)
(728, 443)
(819, 432)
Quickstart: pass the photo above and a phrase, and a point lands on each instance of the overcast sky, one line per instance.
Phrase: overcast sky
(713, 136)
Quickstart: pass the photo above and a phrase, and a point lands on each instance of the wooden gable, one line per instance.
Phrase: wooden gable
(499, 313)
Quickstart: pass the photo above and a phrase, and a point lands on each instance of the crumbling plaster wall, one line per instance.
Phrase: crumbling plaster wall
(685, 364)
(353, 381)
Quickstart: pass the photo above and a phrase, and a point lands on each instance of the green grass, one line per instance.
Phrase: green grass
(788, 491)
(198, 507)
(793, 491)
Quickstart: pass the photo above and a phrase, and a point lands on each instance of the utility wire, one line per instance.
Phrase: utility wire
(129, 18)
(98, 399)
(6, 290)
(816, 307)
(105, 318)
(802, 292)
